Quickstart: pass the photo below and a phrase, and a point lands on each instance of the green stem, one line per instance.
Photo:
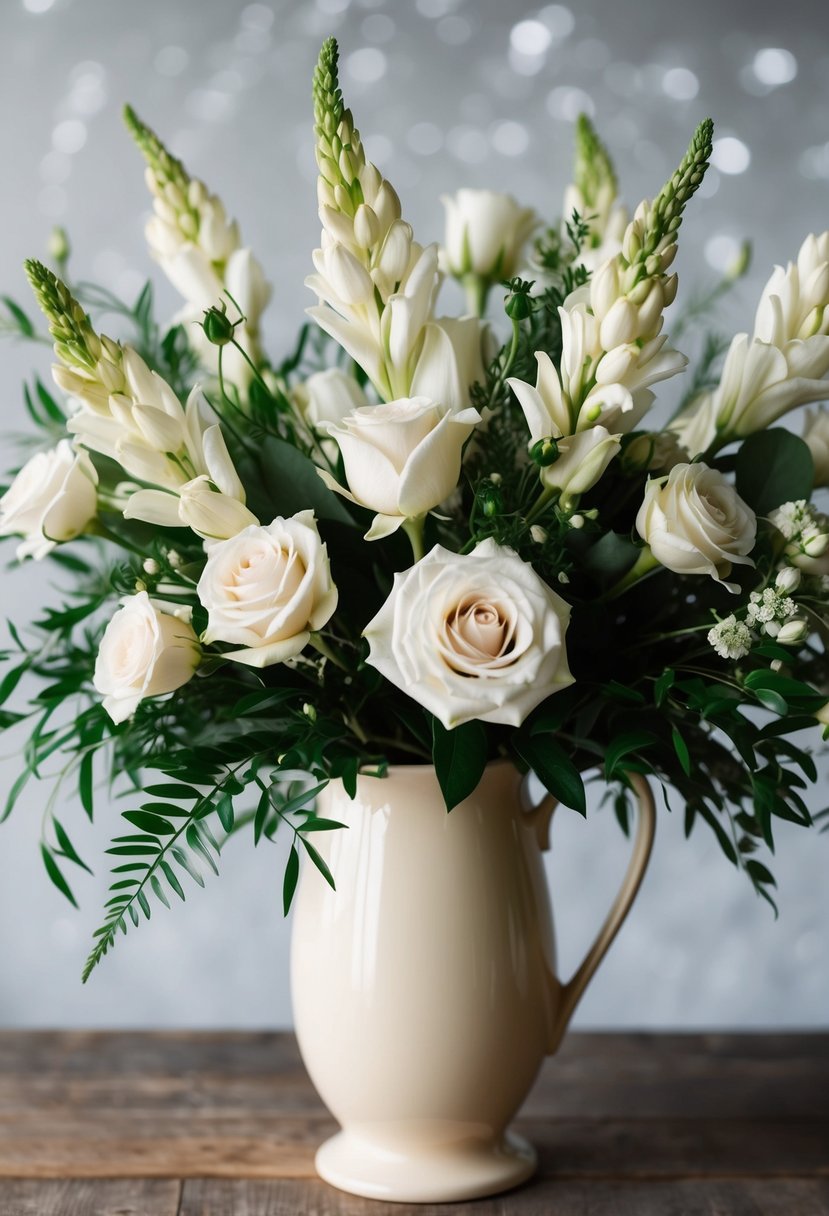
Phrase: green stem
(644, 565)
(414, 530)
(477, 290)
(320, 645)
(544, 499)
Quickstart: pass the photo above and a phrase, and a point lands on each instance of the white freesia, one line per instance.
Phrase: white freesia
(327, 397)
(696, 523)
(485, 234)
(267, 590)
(816, 435)
(51, 500)
(795, 301)
(582, 459)
(401, 459)
(145, 652)
(472, 637)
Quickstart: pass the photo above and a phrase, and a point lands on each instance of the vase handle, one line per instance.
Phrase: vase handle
(567, 996)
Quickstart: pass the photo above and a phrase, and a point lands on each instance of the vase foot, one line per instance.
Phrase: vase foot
(427, 1174)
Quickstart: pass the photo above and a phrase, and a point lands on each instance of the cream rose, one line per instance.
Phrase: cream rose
(479, 636)
(145, 652)
(52, 499)
(401, 459)
(267, 589)
(485, 233)
(696, 523)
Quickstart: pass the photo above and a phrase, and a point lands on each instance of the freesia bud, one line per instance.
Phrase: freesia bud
(788, 580)
(792, 632)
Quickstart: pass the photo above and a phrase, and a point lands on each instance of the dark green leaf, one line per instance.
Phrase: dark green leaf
(55, 875)
(627, 744)
(224, 809)
(290, 880)
(681, 749)
(66, 846)
(774, 467)
(319, 863)
(459, 757)
(154, 824)
(554, 769)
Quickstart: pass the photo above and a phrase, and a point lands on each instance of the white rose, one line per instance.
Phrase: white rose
(267, 589)
(485, 233)
(696, 523)
(144, 652)
(479, 636)
(52, 499)
(816, 434)
(328, 396)
(401, 459)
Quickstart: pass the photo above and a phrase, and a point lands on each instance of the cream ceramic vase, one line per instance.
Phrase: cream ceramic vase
(424, 988)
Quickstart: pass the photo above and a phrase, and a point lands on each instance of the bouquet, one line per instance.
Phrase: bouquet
(417, 539)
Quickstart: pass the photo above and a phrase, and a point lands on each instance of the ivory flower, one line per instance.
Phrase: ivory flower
(267, 590)
(485, 234)
(401, 459)
(327, 397)
(145, 652)
(474, 637)
(582, 459)
(816, 435)
(696, 523)
(52, 499)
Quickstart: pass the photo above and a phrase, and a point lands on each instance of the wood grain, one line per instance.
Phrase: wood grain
(116, 1124)
(121, 1197)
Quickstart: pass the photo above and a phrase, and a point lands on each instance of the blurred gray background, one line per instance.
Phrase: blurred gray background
(446, 93)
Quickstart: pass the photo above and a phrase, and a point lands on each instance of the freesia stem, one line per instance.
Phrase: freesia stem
(414, 530)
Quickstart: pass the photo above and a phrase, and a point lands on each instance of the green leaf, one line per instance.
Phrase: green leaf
(625, 745)
(198, 846)
(302, 799)
(290, 880)
(299, 486)
(160, 893)
(23, 323)
(154, 824)
(459, 757)
(771, 700)
(554, 769)
(319, 863)
(172, 790)
(681, 749)
(224, 809)
(55, 875)
(66, 846)
(663, 686)
(85, 782)
(263, 806)
(774, 467)
(14, 794)
(172, 878)
(322, 825)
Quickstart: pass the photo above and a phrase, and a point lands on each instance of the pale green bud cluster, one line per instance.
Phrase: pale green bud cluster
(167, 176)
(90, 364)
(652, 232)
(593, 172)
(629, 293)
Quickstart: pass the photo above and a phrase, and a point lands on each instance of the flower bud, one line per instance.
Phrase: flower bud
(792, 632)
(366, 227)
(788, 580)
(544, 452)
(538, 534)
(619, 326)
(218, 327)
(59, 248)
(491, 500)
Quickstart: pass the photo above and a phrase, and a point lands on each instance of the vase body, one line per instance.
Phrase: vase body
(423, 986)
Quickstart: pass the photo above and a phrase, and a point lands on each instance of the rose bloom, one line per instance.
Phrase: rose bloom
(267, 589)
(145, 652)
(696, 523)
(52, 499)
(401, 459)
(485, 233)
(472, 637)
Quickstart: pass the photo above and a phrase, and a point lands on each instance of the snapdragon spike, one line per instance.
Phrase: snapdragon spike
(200, 250)
(132, 416)
(375, 284)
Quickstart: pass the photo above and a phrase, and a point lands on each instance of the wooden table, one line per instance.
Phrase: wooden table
(180, 1124)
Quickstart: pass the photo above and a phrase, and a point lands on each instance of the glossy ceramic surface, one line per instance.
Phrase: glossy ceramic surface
(424, 988)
